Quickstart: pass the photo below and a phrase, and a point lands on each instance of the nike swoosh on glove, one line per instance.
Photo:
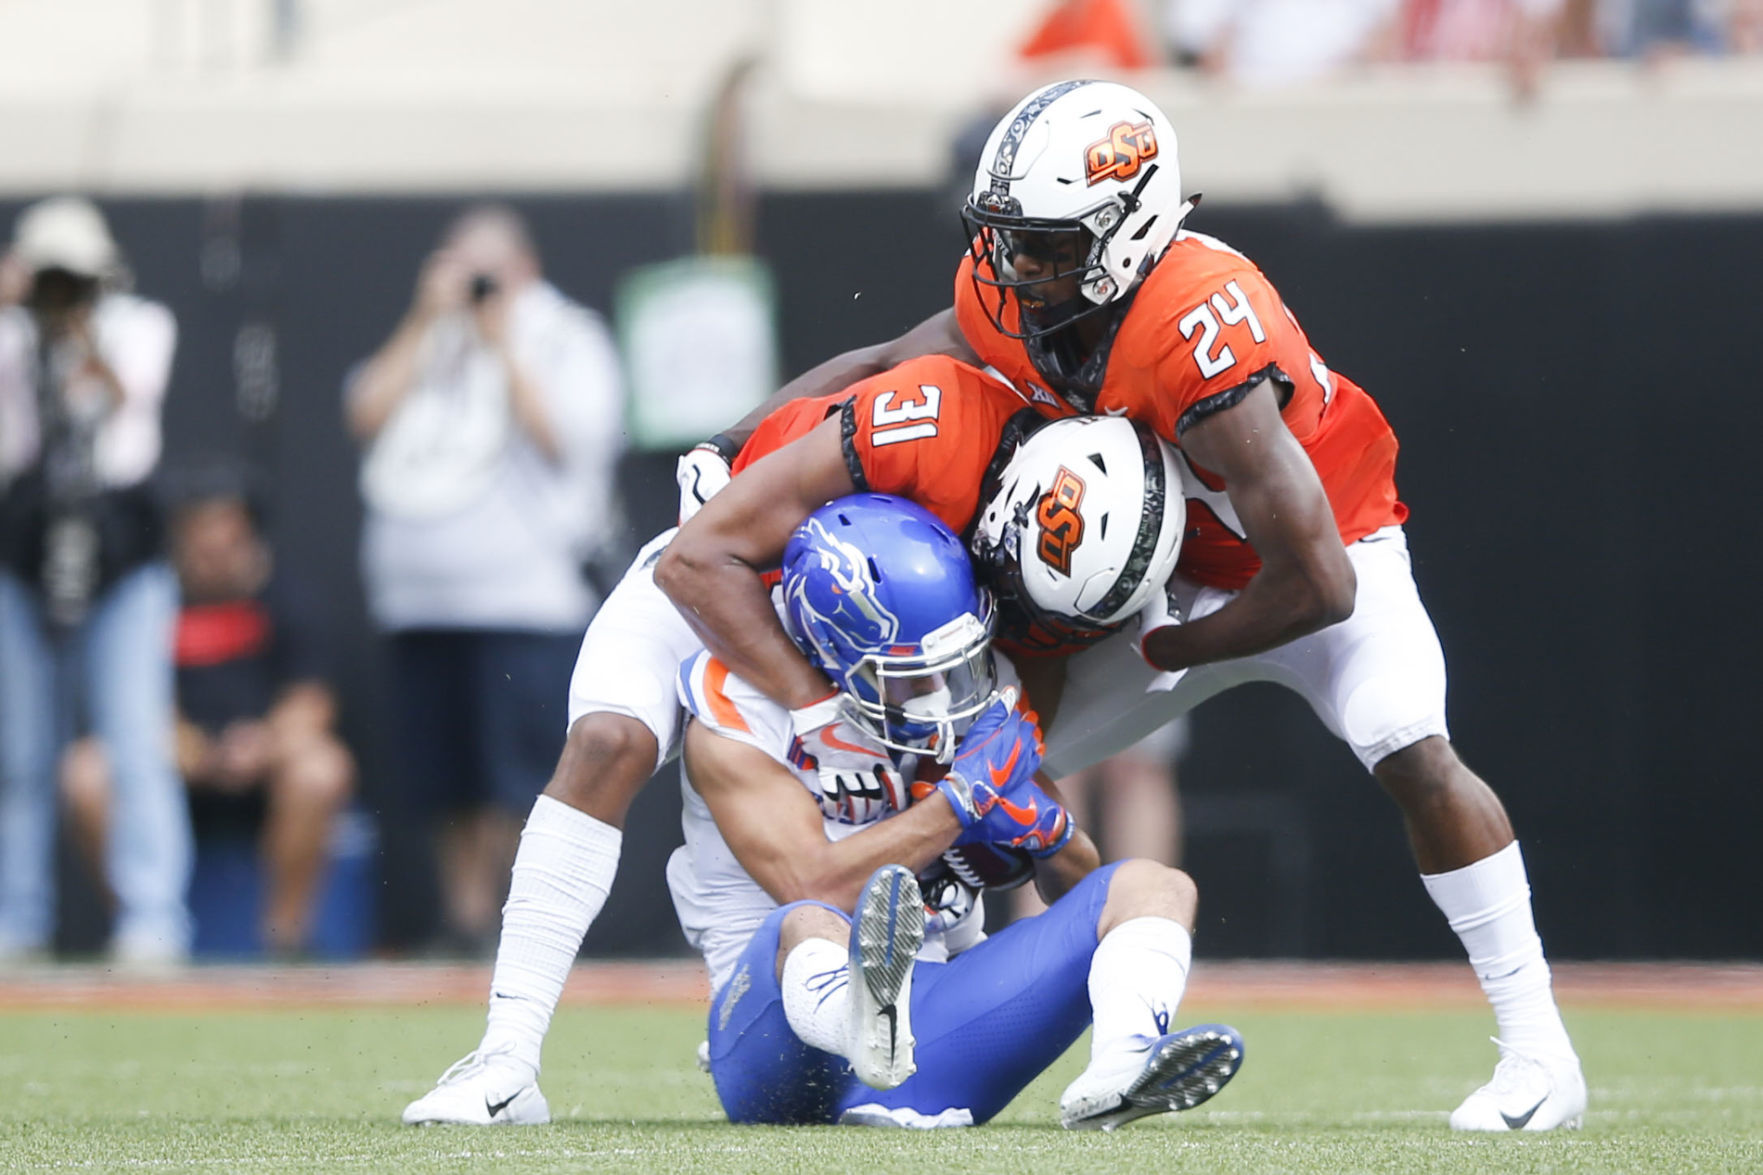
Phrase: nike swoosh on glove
(991, 784)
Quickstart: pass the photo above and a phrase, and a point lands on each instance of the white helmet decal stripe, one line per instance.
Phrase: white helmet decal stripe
(1144, 547)
(1004, 162)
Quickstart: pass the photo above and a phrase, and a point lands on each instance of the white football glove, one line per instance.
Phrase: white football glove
(858, 795)
(857, 783)
(1159, 612)
(700, 474)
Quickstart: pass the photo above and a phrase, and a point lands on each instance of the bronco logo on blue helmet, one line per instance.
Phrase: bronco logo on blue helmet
(844, 601)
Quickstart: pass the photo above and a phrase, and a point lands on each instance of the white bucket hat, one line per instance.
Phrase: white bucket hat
(66, 232)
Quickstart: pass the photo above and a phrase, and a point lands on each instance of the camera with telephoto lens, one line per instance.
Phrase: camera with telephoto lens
(55, 290)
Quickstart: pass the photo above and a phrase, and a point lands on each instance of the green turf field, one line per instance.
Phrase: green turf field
(320, 1090)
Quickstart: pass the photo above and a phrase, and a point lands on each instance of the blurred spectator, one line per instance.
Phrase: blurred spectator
(1525, 34)
(1267, 43)
(1276, 42)
(1474, 30)
(87, 601)
(1744, 26)
(1104, 33)
(1130, 804)
(492, 420)
(1652, 29)
(255, 713)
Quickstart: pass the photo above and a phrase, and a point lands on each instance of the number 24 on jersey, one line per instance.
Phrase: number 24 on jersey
(1229, 306)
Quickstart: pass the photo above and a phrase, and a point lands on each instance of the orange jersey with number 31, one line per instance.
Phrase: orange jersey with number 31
(1203, 329)
(926, 430)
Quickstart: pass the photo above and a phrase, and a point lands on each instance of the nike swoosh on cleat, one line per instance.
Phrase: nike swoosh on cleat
(1519, 1122)
(497, 1107)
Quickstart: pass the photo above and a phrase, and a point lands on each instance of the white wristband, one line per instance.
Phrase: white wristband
(1159, 613)
(810, 718)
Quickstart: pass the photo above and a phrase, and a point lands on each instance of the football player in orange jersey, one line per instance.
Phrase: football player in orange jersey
(1083, 287)
(928, 431)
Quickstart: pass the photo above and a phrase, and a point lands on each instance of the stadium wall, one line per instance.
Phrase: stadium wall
(1576, 402)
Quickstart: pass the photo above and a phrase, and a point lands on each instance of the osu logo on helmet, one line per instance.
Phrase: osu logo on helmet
(1119, 156)
(1062, 527)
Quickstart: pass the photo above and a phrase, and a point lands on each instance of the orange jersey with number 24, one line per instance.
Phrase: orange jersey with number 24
(1203, 329)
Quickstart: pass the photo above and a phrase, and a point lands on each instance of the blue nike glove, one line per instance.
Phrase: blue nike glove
(1027, 819)
(1001, 749)
(991, 784)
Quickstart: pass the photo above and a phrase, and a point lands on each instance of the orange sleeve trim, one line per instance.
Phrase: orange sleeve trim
(723, 710)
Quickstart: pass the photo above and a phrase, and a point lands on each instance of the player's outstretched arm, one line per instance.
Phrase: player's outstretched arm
(775, 829)
(936, 335)
(713, 569)
(1306, 582)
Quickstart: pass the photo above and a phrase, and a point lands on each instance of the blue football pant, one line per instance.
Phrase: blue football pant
(987, 1022)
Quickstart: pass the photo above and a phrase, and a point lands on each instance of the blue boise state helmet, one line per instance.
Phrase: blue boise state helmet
(881, 596)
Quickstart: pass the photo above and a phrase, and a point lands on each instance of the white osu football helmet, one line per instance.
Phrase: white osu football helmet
(1085, 523)
(1090, 158)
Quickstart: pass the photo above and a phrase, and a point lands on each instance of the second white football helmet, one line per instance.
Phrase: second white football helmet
(1085, 523)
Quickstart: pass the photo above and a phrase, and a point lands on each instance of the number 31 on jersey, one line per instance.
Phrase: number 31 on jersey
(906, 416)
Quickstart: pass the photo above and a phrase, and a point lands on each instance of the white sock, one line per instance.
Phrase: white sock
(1488, 905)
(562, 873)
(1137, 977)
(817, 994)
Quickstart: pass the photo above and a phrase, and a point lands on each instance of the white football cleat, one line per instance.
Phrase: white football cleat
(1173, 1072)
(1527, 1093)
(482, 1089)
(886, 933)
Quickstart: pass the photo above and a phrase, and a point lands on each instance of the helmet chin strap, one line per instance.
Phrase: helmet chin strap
(945, 752)
(1129, 201)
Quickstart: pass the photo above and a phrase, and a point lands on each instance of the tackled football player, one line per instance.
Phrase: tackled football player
(828, 964)
(1083, 286)
(927, 430)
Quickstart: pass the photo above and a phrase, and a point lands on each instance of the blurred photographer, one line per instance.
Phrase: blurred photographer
(87, 600)
(492, 420)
